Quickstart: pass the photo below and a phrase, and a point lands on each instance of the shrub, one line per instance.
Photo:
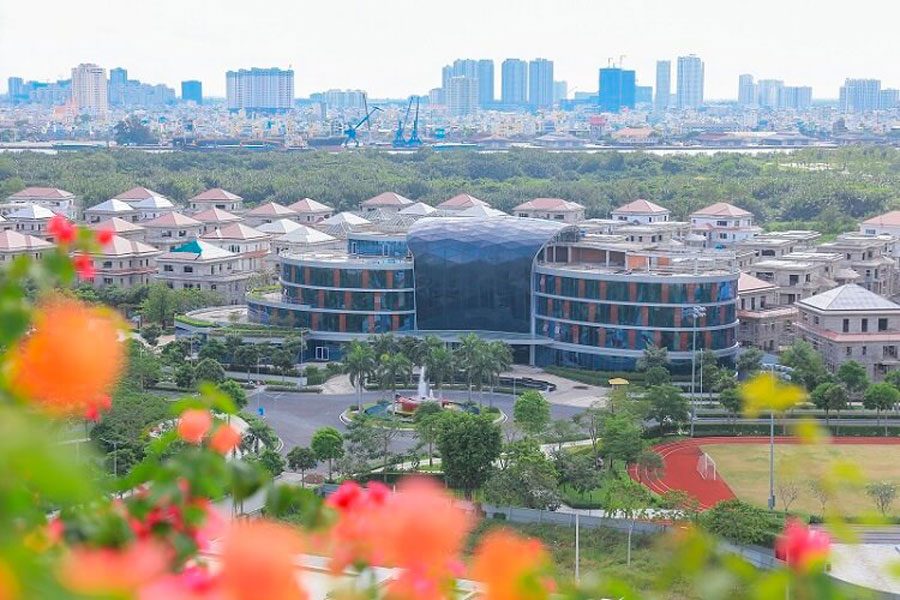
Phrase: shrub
(742, 523)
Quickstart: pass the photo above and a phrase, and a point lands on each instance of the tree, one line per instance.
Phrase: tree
(328, 445)
(578, 470)
(468, 444)
(258, 436)
(829, 397)
(591, 422)
(469, 354)
(184, 376)
(233, 341)
(731, 400)
(385, 429)
(880, 397)
(440, 366)
(621, 439)
(657, 376)
(749, 361)
(667, 406)
(273, 462)
(883, 494)
(854, 377)
(392, 367)
(247, 356)
(384, 343)
(151, 333)
(302, 460)
(561, 431)
(531, 412)
(499, 359)
(626, 498)
(820, 493)
(427, 420)
(132, 131)
(359, 364)
(283, 360)
(654, 356)
(144, 367)
(742, 523)
(209, 370)
(159, 306)
(233, 390)
(650, 464)
(893, 378)
(526, 478)
(788, 490)
(807, 364)
(215, 349)
(361, 446)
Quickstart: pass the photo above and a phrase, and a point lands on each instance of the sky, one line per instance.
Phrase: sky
(394, 48)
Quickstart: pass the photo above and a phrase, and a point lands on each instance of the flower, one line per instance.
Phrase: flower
(71, 360)
(767, 392)
(84, 266)
(112, 571)
(802, 548)
(104, 236)
(194, 424)
(61, 229)
(259, 561)
(103, 404)
(225, 439)
(511, 567)
(193, 583)
(348, 495)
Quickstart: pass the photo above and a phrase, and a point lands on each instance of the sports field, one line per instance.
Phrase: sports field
(745, 468)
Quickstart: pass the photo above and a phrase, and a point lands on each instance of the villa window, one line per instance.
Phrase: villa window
(882, 324)
(189, 269)
(864, 325)
(849, 351)
(846, 325)
(168, 268)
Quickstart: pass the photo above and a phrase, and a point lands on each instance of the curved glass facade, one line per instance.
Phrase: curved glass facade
(475, 274)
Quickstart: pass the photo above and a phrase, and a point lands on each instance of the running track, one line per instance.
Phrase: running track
(680, 470)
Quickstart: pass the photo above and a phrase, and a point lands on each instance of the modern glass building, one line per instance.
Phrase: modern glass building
(557, 295)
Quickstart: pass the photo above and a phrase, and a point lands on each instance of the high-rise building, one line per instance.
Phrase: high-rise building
(446, 74)
(344, 99)
(888, 98)
(15, 89)
(485, 82)
(118, 80)
(796, 97)
(690, 82)
(263, 90)
(560, 91)
(616, 89)
(89, 89)
(192, 91)
(860, 95)
(768, 93)
(746, 90)
(514, 82)
(663, 84)
(540, 83)
(463, 95)
(643, 94)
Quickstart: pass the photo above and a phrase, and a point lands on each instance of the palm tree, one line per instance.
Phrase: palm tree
(440, 365)
(384, 343)
(257, 434)
(359, 363)
(391, 367)
(470, 352)
(500, 360)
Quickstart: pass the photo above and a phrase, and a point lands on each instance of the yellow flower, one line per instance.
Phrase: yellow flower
(768, 392)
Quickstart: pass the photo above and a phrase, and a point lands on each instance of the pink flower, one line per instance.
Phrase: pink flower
(194, 424)
(61, 229)
(801, 547)
(104, 236)
(84, 266)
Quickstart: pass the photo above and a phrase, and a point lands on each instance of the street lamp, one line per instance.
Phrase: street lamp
(771, 459)
(695, 312)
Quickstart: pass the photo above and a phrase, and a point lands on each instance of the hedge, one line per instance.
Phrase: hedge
(753, 429)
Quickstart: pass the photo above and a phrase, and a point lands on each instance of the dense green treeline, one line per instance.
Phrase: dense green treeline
(815, 186)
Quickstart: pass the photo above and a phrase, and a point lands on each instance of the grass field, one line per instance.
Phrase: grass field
(745, 467)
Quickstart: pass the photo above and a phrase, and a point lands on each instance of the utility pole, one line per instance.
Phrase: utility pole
(696, 311)
(771, 459)
(577, 548)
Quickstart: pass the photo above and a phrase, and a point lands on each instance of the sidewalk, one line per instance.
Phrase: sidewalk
(568, 392)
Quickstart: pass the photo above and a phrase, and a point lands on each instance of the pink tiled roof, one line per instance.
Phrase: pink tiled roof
(215, 194)
(120, 246)
(461, 201)
(308, 205)
(641, 206)
(749, 283)
(721, 209)
(387, 199)
(271, 209)
(888, 219)
(41, 192)
(172, 219)
(13, 241)
(137, 193)
(116, 225)
(216, 215)
(550, 204)
(235, 231)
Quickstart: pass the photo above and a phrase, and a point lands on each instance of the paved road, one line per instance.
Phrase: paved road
(295, 417)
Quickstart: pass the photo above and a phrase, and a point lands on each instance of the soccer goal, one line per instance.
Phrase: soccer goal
(706, 466)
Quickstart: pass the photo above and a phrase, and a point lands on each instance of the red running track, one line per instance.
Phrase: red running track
(680, 470)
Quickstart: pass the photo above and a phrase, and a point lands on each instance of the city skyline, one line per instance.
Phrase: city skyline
(666, 32)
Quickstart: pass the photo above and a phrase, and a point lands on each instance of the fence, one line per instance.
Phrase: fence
(566, 519)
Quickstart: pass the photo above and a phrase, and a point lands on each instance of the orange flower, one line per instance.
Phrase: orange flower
(511, 567)
(225, 439)
(193, 424)
(802, 548)
(95, 571)
(9, 585)
(259, 561)
(71, 361)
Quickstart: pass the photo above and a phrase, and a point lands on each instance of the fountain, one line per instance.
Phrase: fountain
(423, 392)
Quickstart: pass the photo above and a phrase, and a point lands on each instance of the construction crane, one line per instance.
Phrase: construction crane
(399, 137)
(414, 141)
(350, 132)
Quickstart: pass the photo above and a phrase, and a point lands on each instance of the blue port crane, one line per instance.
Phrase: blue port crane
(414, 141)
(350, 131)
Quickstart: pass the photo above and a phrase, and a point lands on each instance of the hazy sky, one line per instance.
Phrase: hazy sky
(397, 47)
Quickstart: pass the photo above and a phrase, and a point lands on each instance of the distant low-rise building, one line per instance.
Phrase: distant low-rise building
(871, 257)
(124, 263)
(460, 202)
(215, 218)
(552, 209)
(385, 202)
(121, 228)
(59, 201)
(14, 244)
(888, 223)
(149, 204)
(249, 244)
(31, 219)
(216, 198)
(268, 212)
(795, 279)
(171, 229)
(852, 323)
(762, 322)
(203, 266)
(109, 209)
(723, 224)
(778, 243)
(310, 211)
(641, 211)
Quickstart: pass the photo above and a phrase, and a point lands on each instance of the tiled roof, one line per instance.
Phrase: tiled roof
(153, 202)
(550, 204)
(888, 219)
(482, 210)
(13, 241)
(461, 201)
(308, 205)
(641, 206)
(345, 218)
(418, 209)
(271, 209)
(196, 250)
(849, 297)
(41, 192)
(721, 209)
(172, 219)
(216, 215)
(31, 211)
(111, 206)
(235, 231)
(305, 235)
(138, 193)
(215, 194)
(387, 199)
(116, 225)
(279, 227)
(749, 283)
(120, 246)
